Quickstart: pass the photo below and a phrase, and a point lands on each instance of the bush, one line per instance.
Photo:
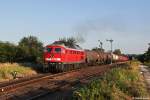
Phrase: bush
(7, 69)
(30, 49)
(8, 52)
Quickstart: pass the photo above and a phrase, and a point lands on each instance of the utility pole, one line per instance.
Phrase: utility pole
(111, 48)
(100, 44)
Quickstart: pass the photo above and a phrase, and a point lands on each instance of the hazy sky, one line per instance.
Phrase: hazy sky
(127, 22)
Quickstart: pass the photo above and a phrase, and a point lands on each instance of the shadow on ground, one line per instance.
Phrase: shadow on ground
(35, 66)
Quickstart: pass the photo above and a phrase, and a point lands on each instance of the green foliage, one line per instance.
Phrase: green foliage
(8, 52)
(118, 84)
(6, 70)
(117, 51)
(30, 49)
(98, 49)
(70, 42)
(145, 57)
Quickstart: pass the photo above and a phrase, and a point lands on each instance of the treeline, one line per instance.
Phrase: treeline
(145, 57)
(29, 49)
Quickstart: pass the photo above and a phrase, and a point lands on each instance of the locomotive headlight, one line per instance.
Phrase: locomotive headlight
(49, 59)
(58, 59)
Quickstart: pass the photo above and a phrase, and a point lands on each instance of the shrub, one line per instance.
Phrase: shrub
(6, 70)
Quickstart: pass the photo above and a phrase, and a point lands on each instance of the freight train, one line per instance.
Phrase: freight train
(59, 57)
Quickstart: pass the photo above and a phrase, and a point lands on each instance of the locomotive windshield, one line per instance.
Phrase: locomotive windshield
(57, 50)
(49, 49)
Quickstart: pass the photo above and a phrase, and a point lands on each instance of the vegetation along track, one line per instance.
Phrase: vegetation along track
(44, 84)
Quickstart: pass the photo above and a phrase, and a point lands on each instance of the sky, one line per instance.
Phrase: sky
(127, 22)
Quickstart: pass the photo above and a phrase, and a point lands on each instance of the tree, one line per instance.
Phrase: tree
(70, 42)
(7, 52)
(117, 51)
(31, 47)
(98, 49)
(147, 55)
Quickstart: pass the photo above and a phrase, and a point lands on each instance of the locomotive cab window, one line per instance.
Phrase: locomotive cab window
(49, 49)
(58, 50)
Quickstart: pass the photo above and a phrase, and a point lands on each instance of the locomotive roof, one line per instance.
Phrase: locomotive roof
(59, 43)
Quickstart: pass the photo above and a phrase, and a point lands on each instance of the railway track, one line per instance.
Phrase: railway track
(53, 82)
(64, 85)
(8, 86)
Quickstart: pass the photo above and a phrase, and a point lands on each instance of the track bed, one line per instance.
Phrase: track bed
(49, 85)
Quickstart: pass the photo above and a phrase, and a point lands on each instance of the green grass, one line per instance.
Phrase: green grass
(118, 84)
(7, 70)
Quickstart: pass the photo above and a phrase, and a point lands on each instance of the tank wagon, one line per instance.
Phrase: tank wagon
(58, 58)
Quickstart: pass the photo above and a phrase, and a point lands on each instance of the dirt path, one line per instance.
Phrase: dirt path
(146, 74)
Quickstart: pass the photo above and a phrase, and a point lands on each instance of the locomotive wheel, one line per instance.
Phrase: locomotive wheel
(72, 65)
(51, 68)
(71, 68)
(62, 67)
(57, 68)
(76, 66)
(68, 67)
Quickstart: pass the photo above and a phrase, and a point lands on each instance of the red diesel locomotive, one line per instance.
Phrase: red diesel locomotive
(58, 57)
(62, 58)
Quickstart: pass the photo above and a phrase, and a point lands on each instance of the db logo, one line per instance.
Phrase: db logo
(52, 55)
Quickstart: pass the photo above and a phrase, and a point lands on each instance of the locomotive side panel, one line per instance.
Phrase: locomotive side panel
(74, 56)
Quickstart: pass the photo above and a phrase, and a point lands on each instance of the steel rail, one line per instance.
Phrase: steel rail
(9, 86)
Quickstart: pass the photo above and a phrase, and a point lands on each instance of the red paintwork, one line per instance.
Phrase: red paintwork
(67, 55)
(123, 58)
(72, 56)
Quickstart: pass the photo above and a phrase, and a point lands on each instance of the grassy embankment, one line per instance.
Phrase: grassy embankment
(7, 70)
(118, 84)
